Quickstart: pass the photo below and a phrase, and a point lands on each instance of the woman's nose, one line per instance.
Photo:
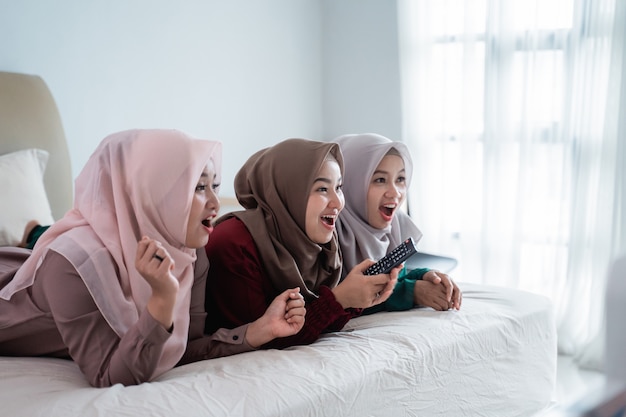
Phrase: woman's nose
(213, 202)
(337, 200)
(393, 191)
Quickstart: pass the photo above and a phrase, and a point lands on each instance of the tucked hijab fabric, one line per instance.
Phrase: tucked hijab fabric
(273, 187)
(137, 183)
(362, 153)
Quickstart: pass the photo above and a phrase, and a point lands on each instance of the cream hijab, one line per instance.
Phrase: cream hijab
(136, 183)
(362, 153)
(273, 186)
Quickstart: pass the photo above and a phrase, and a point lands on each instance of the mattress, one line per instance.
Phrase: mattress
(494, 357)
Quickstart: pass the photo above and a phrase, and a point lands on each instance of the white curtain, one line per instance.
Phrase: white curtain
(512, 111)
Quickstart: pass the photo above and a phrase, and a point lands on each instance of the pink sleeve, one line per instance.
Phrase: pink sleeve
(224, 342)
(104, 357)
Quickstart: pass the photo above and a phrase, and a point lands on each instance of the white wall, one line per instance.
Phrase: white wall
(361, 71)
(246, 72)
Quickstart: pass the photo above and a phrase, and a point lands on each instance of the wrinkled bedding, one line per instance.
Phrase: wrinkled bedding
(495, 357)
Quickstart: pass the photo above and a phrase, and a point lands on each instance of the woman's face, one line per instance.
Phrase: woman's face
(386, 192)
(325, 202)
(204, 207)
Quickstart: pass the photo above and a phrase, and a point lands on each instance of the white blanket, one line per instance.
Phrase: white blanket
(495, 357)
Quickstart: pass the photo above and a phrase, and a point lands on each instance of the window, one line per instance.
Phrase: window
(516, 150)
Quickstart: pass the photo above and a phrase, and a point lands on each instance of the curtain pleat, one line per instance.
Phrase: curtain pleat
(512, 111)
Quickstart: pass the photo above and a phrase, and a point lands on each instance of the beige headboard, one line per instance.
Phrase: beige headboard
(29, 118)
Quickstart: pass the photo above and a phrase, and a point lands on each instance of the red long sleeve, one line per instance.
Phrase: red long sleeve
(239, 290)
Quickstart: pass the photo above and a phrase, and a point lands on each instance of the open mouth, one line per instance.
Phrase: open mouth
(388, 209)
(207, 223)
(329, 220)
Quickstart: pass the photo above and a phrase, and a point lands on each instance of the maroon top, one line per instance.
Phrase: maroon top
(239, 289)
(71, 326)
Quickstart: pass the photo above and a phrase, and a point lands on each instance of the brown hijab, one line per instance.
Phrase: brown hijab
(273, 187)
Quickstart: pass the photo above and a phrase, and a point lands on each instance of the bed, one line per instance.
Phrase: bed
(495, 357)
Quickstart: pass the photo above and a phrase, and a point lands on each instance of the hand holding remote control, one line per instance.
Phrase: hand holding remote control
(394, 258)
(358, 290)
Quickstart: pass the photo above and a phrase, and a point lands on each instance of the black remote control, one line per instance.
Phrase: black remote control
(394, 258)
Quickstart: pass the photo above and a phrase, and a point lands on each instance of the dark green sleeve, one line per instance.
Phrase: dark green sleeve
(402, 297)
(34, 235)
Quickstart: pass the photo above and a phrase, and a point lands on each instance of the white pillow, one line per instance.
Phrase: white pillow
(22, 194)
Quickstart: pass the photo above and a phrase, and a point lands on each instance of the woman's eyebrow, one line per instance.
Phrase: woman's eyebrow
(327, 180)
(380, 171)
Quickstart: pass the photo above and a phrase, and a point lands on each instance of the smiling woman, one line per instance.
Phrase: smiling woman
(378, 173)
(122, 259)
(117, 284)
(325, 202)
(285, 237)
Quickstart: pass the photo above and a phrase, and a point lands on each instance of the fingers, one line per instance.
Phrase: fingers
(152, 258)
(294, 309)
(431, 276)
(447, 283)
(294, 293)
(454, 300)
(291, 294)
(294, 299)
(384, 285)
(428, 294)
(358, 290)
(457, 298)
(395, 271)
(381, 297)
(384, 291)
(142, 247)
(438, 299)
(297, 320)
(155, 266)
(295, 315)
(385, 279)
(152, 250)
(453, 293)
(380, 280)
(436, 277)
(360, 268)
(390, 285)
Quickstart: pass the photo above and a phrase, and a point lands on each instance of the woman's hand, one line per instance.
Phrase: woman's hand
(361, 291)
(284, 317)
(437, 290)
(155, 264)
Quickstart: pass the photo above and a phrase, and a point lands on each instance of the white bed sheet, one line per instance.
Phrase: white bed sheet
(495, 357)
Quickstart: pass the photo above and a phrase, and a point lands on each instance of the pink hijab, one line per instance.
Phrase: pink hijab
(136, 183)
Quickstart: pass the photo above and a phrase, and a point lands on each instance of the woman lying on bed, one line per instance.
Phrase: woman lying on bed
(115, 284)
(286, 238)
(378, 173)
